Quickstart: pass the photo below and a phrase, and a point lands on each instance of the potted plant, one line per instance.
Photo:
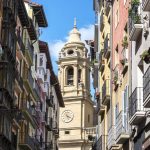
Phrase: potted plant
(146, 56)
(125, 42)
(135, 2)
(137, 19)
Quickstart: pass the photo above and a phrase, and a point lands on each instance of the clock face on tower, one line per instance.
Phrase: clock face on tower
(67, 116)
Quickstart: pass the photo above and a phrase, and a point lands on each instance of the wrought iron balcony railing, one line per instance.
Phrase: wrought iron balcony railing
(122, 132)
(135, 22)
(146, 88)
(20, 42)
(107, 46)
(101, 143)
(106, 91)
(19, 78)
(7, 77)
(26, 141)
(136, 106)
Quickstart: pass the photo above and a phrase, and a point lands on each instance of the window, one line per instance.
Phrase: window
(70, 73)
(67, 132)
(88, 118)
(79, 75)
(116, 56)
(116, 18)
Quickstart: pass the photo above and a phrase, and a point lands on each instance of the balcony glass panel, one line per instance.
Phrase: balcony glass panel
(136, 101)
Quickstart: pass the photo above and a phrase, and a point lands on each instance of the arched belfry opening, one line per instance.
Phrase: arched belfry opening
(70, 75)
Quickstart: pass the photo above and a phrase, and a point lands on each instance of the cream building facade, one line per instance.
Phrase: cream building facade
(76, 119)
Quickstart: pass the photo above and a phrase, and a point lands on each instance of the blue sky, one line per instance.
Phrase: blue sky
(60, 16)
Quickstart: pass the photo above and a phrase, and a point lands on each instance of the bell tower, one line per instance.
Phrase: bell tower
(74, 78)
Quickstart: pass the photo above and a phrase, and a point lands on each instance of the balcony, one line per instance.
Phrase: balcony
(135, 23)
(49, 100)
(116, 80)
(7, 77)
(107, 6)
(101, 21)
(106, 92)
(29, 52)
(146, 5)
(122, 132)
(146, 88)
(28, 79)
(11, 9)
(19, 79)
(101, 143)
(30, 113)
(124, 60)
(89, 132)
(101, 62)
(49, 124)
(107, 46)
(26, 141)
(111, 144)
(20, 43)
(136, 112)
(37, 89)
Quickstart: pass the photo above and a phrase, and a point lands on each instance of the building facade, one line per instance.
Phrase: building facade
(76, 119)
(30, 94)
(128, 124)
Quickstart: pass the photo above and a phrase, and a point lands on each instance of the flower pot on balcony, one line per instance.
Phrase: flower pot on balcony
(146, 56)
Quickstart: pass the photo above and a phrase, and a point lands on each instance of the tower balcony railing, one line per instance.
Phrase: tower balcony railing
(122, 132)
(146, 88)
(136, 112)
(146, 5)
(106, 92)
(90, 131)
(107, 46)
(135, 22)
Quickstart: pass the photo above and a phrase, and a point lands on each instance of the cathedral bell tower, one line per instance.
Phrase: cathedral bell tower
(74, 78)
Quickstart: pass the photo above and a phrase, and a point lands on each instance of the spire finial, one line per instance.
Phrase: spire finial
(75, 22)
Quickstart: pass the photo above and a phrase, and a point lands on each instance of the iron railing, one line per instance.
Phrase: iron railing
(101, 143)
(30, 49)
(19, 78)
(25, 139)
(135, 17)
(30, 79)
(146, 84)
(111, 137)
(136, 101)
(106, 89)
(121, 124)
(20, 42)
(107, 44)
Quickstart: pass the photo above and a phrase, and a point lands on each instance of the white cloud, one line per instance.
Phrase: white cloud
(87, 33)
